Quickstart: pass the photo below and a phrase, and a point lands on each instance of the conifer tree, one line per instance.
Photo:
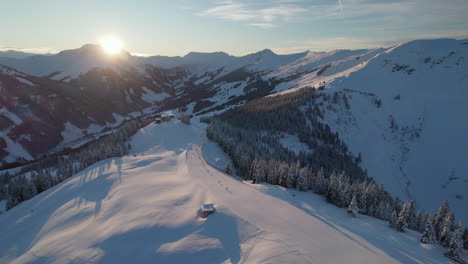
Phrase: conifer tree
(352, 208)
(229, 168)
(446, 230)
(455, 245)
(402, 220)
(321, 182)
(283, 174)
(465, 239)
(393, 219)
(428, 235)
(302, 181)
(439, 219)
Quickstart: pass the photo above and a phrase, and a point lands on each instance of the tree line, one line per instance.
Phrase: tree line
(50, 171)
(250, 135)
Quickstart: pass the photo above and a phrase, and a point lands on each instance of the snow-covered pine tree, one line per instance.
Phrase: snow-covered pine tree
(352, 208)
(428, 235)
(439, 218)
(447, 230)
(302, 181)
(388, 211)
(320, 185)
(253, 170)
(422, 222)
(293, 174)
(455, 245)
(465, 239)
(346, 193)
(228, 169)
(283, 174)
(414, 223)
(332, 192)
(311, 178)
(393, 219)
(402, 220)
(273, 172)
(411, 216)
(371, 199)
(260, 170)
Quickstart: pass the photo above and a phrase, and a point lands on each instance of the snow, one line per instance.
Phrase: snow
(431, 100)
(152, 97)
(293, 143)
(22, 80)
(94, 128)
(202, 80)
(12, 116)
(15, 150)
(118, 120)
(144, 208)
(427, 153)
(214, 155)
(71, 133)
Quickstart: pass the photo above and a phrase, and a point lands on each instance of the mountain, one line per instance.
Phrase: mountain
(66, 64)
(145, 208)
(40, 114)
(14, 54)
(406, 101)
(399, 109)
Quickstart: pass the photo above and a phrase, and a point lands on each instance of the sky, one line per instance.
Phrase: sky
(238, 27)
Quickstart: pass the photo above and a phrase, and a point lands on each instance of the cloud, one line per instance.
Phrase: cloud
(263, 17)
(230, 10)
(263, 25)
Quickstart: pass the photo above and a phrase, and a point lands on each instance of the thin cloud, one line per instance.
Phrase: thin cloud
(267, 17)
(263, 25)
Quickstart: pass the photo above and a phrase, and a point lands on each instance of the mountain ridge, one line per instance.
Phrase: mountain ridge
(402, 93)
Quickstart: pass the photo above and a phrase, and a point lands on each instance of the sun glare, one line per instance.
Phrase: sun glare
(111, 45)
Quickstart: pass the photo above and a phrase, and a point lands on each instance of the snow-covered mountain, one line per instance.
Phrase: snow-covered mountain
(405, 115)
(145, 208)
(40, 114)
(404, 111)
(14, 54)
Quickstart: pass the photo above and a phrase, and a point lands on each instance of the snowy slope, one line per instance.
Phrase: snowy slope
(426, 150)
(143, 208)
(422, 88)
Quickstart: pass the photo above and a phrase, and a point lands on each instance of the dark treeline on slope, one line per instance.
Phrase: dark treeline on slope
(250, 135)
(253, 131)
(46, 173)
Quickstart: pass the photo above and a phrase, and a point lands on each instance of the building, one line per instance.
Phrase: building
(206, 210)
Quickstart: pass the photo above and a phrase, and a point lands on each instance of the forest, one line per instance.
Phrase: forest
(251, 135)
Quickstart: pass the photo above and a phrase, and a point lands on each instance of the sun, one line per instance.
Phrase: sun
(111, 45)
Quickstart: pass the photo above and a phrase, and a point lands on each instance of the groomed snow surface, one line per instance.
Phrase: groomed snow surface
(144, 208)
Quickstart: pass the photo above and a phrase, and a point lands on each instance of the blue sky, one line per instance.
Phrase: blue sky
(176, 27)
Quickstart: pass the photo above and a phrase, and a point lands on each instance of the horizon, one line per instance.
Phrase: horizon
(150, 28)
(13, 49)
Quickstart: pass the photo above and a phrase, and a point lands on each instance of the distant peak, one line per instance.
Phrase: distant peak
(93, 50)
(267, 52)
(217, 53)
(91, 46)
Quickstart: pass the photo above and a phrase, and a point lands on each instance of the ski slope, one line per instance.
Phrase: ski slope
(144, 208)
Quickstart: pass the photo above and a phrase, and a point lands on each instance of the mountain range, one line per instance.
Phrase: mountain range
(404, 112)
